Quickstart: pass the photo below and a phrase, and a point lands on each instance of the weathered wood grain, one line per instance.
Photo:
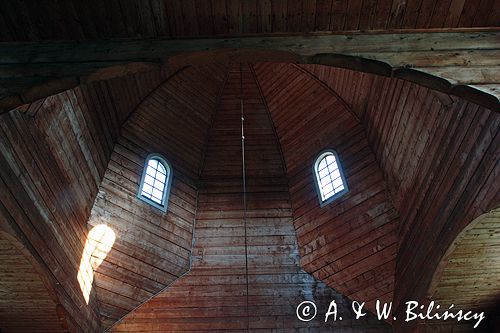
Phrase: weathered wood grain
(443, 61)
(347, 241)
(153, 248)
(32, 21)
(467, 275)
(439, 155)
(27, 305)
(54, 154)
(246, 275)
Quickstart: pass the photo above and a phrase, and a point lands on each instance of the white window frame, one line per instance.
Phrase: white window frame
(166, 190)
(317, 161)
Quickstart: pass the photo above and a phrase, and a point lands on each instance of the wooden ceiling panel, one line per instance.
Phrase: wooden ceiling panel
(25, 303)
(469, 276)
(439, 155)
(350, 244)
(246, 275)
(52, 20)
(463, 64)
(54, 154)
(152, 249)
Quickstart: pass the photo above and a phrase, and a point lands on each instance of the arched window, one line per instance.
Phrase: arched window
(330, 180)
(155, 182)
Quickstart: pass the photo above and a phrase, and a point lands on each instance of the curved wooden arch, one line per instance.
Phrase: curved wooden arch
(461, 64)
(477, 237)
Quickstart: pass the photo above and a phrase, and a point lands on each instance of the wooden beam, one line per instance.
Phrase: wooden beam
(128, 50)
(450, 58)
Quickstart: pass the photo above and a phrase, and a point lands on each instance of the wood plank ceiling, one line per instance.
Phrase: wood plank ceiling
(470, 275)
(25, 303)
(352, 243)
(53, 156)
(137, 267)
(439, 155)
(245, 274)
(33, 20)
(152, 249)
(421, 164)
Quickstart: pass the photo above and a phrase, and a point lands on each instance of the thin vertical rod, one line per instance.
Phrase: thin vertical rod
(244, 188)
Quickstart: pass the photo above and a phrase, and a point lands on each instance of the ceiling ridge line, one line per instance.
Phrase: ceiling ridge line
(330, 89)
(270, 116)
(212, 120)
(168, 78)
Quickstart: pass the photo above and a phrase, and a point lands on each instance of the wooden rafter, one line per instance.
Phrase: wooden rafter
(464, 64)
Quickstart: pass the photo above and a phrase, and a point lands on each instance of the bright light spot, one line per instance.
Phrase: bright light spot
(99, 242)
(153, 186)
(328, 176)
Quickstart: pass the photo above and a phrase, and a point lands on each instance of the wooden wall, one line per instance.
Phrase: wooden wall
(32, 20)
(26, 304)
(350, 244)
(153, 248)
(246, 276)
(53, 155)
(432, 157)
(439, 155)
(467, 277)
(474, 251)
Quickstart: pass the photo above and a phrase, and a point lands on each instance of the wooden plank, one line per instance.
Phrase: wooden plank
(32, 21)
(432, 53)
(251, 263)
(313, 225)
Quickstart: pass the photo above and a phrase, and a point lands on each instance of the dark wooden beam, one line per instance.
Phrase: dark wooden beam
(449, 59)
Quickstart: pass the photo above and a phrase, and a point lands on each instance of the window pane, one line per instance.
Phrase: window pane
(322, 165)
(159, 185)
(328, 176)
(329, 159)
(149, 180)
(153, 163)
(157, 193)
(337, 182)
(151, 171)
(161, 177)
(147, 189)
(323, 173)
(328, 188)
(161, 168)
(157, 200)
(154, 185)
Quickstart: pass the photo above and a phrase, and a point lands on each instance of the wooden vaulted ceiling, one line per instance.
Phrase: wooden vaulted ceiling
(54, 155)
(439, 156)
(245, 273)
(351, 248)
(420, 154)
(151, 250)
(364, 217)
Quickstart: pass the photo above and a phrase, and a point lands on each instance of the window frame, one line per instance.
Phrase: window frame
(166, 191)
(316, 163)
